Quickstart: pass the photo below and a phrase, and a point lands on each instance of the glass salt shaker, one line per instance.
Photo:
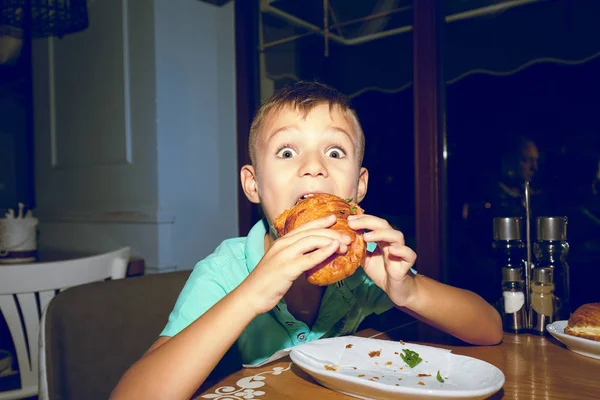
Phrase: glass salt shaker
(509, 252)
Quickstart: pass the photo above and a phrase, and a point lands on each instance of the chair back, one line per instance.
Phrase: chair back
(25, 292)
(92, 334)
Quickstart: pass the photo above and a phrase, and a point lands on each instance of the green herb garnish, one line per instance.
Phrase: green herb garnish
(439, 377)
(411, 358)
(349, 200)
(353, 210)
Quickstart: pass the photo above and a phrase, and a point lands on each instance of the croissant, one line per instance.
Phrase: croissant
(337, 266)
(585, 322)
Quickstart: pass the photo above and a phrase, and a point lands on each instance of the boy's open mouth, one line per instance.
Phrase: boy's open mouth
(305, 195)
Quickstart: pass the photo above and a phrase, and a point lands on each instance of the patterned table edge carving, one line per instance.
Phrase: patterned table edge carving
(245, 387)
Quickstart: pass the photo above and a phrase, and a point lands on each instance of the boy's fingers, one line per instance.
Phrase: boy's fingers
(319, 223)
(388, 235)
(366, 221)
(309, 244)
(403, 252)
(331, 233)
(342, 249)
(316, 257)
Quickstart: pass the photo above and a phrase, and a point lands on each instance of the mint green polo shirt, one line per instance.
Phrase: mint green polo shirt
(344, 305)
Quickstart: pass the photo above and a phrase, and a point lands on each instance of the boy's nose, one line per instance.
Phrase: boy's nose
(313, 166)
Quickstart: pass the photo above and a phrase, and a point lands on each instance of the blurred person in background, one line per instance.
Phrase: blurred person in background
(498, 191)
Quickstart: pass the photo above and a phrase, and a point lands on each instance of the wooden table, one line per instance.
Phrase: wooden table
(535, 368)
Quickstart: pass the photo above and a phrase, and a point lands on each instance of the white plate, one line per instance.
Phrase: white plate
(585, 347)
(387, 375)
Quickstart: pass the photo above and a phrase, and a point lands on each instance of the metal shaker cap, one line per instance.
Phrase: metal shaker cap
(542, 275)
(511, 274)
(507, 228)
(552, 228)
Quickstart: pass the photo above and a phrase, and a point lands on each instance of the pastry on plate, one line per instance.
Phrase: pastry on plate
(313, 206)
(585, 322)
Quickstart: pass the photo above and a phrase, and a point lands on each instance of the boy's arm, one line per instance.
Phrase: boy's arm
(459, 312)
(174, 368)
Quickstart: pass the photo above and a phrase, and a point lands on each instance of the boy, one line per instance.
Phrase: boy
(252, 291)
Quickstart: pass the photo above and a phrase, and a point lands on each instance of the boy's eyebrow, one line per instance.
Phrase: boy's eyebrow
(294, 128)
(342, 130)
(283, 129)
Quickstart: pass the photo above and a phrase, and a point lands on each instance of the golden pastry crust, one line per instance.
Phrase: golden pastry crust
(338, 266)
(585, 322)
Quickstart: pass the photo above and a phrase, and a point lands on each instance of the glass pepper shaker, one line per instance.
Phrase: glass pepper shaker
(551, 250)
(542, 299)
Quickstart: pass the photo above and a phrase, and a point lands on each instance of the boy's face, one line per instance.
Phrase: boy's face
(296, 156)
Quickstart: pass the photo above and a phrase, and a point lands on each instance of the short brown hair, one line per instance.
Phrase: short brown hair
(303, 96)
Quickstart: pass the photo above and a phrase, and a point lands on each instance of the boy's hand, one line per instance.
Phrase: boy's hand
(388, 266)
(290, 256)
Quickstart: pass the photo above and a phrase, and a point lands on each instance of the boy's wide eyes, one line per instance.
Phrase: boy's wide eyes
(286, 152)
(335, 152)
(289, 152)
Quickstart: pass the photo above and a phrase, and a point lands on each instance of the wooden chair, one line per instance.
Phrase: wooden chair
(26, 290)
(91, 334)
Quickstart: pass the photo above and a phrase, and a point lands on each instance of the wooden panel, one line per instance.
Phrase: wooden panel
(90, 113)
(247, 95)
(429, 139)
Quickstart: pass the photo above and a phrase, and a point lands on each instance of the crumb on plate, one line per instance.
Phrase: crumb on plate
(375, 353)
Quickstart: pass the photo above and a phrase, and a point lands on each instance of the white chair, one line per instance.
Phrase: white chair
(26, 290)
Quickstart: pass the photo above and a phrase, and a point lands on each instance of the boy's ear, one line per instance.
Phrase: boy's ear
(363, 182)
(249, 184)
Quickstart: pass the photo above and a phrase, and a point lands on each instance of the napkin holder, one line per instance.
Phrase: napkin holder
(18, 237)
